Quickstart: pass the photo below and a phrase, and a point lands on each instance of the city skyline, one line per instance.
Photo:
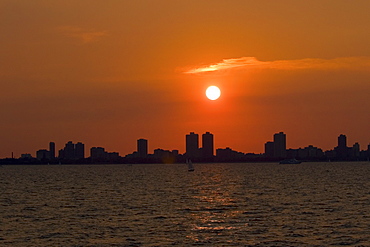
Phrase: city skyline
(266, 145)
(109, 72)
(273, 150)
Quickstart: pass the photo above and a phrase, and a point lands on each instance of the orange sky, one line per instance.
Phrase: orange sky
(109, 72)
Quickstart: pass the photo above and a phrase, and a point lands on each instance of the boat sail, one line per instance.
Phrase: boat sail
(190, 165)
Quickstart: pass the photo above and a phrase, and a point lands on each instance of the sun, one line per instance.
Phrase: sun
(213, 92)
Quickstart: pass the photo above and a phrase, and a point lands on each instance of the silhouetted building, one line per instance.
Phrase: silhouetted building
(133, 155)
(355, 151)
(192, 145)
(309, 152)
(365, 154)
(330, 154)
(342, 141)
(98, 153)
(227, 154)
(43, 154)
(277, 148)
(46, 155)
(113, 156)
(142, 148)
(69, 151)
(342, 151)
(52, 150)
(26, 156)
(280, 145)
(161, 153)
(165, 156)
(79, 151)
(72, 151)
(269, 149)
(61, 154)
(207, 145)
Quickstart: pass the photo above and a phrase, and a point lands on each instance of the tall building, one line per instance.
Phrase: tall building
(342, 141)
(69, 151)
(269, 149)
(142, 148)
(79, 151)
(342, 151)
(280, 145)
(207, 145)
(192, 145)
(52, 150)
(72, 151)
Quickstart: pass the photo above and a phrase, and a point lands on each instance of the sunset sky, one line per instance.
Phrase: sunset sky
(107, 73)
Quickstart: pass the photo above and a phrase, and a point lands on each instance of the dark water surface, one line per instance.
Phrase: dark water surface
(310, 204)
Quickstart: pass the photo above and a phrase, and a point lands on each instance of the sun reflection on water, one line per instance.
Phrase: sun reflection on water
(216, 213)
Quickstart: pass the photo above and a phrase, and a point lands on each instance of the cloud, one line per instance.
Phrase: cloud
(354, 63)
(86, 36)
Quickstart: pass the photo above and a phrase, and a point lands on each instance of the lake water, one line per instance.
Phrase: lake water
(310, 204)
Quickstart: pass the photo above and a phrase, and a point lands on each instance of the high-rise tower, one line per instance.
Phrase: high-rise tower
(192, 145)
(342, 151)
(142, 148)
(69, 151)
(342, 141)
(52, 150)
(79, 150)
(207, 145)
(280, 145)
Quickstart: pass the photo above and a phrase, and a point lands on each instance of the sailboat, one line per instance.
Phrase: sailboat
(190, 165)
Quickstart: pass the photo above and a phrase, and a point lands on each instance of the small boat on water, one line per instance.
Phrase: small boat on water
(290, 161)
(190, 165)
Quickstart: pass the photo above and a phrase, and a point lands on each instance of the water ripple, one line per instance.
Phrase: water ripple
(310, 204)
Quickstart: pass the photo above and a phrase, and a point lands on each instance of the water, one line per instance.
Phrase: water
(310, 204)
